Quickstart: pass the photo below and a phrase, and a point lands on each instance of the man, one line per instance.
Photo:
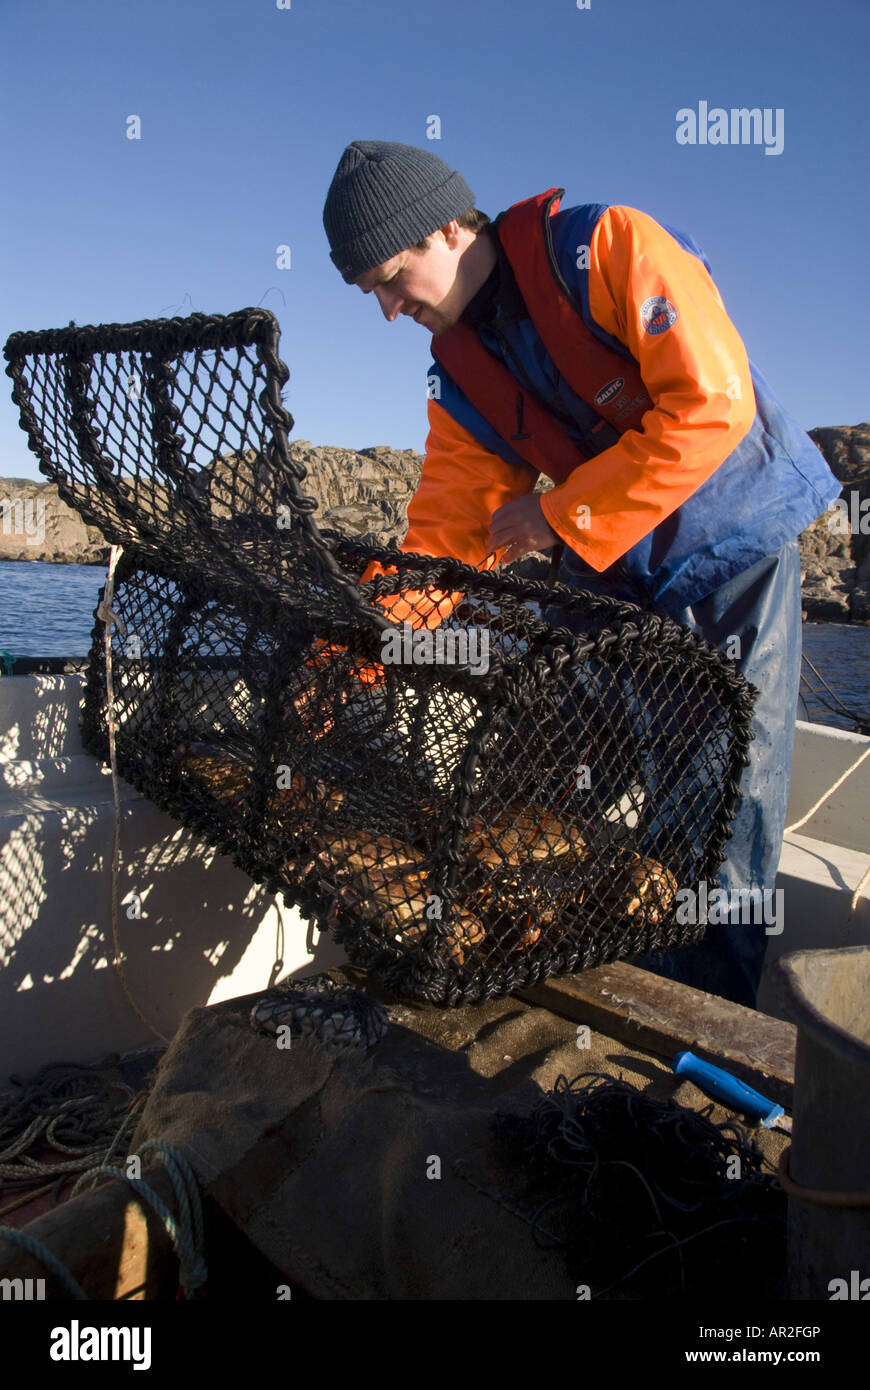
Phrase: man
(592, 345)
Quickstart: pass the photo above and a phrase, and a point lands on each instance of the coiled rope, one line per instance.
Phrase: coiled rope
(186, 1230)
(76, 1111)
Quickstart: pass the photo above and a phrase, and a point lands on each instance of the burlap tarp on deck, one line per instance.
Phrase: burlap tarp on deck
(321, 1158)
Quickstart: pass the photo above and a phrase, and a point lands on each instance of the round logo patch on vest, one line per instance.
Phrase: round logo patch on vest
(658, 314)
(607, 392)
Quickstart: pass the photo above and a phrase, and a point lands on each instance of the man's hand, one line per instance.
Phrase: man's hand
(312, 705)
(522, 526)
(323, 692)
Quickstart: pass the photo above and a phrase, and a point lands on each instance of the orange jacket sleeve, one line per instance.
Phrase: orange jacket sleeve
(460, 487)
(696, 372)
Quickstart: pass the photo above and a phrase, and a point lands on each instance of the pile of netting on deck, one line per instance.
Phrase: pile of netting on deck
(647, 1198)
(474, 781)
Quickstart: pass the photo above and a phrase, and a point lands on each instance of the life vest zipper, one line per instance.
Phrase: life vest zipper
(553, 405)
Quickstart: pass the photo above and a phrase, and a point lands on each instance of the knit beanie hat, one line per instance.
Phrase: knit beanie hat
(385, 197)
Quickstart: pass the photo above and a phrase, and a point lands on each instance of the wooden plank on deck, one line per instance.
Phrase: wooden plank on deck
(113, 1244)
(665, 1017)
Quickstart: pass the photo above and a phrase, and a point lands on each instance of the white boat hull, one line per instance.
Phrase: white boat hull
(207, 933)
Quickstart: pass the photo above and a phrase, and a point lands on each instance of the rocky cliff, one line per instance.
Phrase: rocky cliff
(835, 550)
(36, 525)
(365, 492)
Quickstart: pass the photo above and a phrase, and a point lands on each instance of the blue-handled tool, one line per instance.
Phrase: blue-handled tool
(732, 1092)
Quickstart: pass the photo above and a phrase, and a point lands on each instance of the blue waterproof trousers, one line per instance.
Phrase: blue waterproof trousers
(762, 607)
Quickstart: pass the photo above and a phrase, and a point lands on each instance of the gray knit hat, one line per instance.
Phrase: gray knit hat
(385, 197)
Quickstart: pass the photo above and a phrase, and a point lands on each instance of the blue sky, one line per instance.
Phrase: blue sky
(246, 108)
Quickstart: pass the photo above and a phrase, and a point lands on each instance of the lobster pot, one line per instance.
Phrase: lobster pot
(473, 781)
(520, 791)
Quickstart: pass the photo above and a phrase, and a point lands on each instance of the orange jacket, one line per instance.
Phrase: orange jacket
(460, 487)
(657, 301)
(696, 372)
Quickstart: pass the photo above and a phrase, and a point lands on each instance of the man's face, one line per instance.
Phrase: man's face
(425, 285)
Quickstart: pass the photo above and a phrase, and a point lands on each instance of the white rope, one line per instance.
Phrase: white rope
(110, 618)
(865, 877)
(822, 799)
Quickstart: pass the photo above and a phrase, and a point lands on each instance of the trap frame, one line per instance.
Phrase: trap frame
(463, 831)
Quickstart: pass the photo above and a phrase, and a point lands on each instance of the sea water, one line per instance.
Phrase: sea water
(48, 610)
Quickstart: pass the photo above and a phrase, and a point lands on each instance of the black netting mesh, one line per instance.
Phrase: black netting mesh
(519, 790)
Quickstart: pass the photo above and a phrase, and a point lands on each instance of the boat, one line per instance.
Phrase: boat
(122, 929)
(194, 930)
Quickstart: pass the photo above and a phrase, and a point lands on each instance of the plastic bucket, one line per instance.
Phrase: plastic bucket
(827, 994)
